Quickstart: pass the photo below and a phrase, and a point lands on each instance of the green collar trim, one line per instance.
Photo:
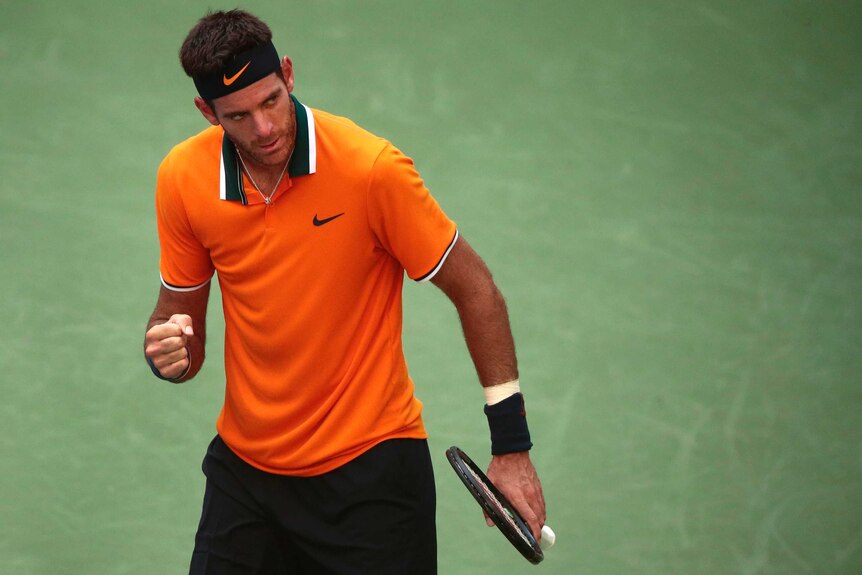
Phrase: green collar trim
(302, 163)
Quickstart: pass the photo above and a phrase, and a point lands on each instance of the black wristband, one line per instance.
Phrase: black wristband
(508, 423)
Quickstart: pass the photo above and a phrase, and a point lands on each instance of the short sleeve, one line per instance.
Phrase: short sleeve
(406, 220)
(184, 262)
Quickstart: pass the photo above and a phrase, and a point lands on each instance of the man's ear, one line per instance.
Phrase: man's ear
(287, 72)
(206, 110)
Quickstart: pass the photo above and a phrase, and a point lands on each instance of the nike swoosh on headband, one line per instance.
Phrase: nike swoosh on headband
(228, 81)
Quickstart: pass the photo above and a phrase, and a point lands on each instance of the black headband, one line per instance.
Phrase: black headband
(245, 69)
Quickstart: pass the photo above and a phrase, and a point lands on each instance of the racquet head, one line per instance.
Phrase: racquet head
(496, 506)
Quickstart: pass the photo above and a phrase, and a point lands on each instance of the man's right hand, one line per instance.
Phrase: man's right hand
(165, 345)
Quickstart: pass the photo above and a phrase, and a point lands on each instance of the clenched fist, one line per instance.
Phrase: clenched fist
(165, 345)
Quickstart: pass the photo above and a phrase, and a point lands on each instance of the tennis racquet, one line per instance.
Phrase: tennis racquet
(502, 513)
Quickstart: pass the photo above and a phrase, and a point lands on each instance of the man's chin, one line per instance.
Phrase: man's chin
(276, 158)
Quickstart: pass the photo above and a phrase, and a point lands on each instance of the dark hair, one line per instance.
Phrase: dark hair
(218, 37)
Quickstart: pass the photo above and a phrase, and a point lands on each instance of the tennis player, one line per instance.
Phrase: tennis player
(320, 464)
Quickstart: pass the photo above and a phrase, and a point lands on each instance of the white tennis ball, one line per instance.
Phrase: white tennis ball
(548, 538)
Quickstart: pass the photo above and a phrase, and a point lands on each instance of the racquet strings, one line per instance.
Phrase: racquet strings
(501, 510)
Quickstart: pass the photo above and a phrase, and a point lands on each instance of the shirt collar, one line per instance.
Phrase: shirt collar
(303, 161)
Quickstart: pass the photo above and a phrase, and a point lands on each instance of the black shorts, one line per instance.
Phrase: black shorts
(375, 514)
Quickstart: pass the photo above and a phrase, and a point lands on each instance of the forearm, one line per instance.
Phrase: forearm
(488, 334)
(467, 282)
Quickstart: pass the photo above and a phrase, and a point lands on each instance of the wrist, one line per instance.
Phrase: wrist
(507, 421)
(494, 394)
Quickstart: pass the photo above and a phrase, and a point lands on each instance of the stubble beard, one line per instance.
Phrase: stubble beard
(288, 135)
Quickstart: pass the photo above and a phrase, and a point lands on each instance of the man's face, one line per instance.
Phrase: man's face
(260, 121)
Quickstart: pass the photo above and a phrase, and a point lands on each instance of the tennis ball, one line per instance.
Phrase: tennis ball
(548, 538)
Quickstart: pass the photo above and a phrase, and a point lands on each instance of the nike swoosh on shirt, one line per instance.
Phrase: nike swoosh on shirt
(318, 222)
(232, 79)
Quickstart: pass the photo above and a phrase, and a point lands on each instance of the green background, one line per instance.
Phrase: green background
(667, 192)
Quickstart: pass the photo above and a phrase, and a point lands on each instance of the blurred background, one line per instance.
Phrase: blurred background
(669, 193)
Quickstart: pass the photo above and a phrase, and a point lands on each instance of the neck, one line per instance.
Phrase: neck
(264, 178)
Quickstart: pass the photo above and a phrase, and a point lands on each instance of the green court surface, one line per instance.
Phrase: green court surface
(669, 193)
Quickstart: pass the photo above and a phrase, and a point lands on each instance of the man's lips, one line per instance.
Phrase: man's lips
(271, 146)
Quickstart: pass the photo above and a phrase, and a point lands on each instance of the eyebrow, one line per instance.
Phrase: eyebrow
(271, 95)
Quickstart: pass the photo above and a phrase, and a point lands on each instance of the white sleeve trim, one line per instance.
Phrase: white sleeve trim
(430, 275)
(180, 288)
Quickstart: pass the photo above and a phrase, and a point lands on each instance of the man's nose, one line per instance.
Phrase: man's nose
(262, 125)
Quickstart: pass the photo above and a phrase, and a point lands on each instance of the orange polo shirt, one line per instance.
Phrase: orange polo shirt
(311, 287)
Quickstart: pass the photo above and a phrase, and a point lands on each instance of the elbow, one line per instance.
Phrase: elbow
(482, 295)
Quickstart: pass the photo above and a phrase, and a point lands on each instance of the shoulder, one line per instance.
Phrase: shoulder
(337, 134)
(202, 148)
(192, 166)
(339, 124)
(347, 148)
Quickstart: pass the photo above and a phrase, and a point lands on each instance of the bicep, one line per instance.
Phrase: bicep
(463, 274)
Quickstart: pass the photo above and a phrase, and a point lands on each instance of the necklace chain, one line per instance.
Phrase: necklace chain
(267, 199)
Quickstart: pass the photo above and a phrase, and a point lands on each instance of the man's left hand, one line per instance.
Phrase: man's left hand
(515, 476)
